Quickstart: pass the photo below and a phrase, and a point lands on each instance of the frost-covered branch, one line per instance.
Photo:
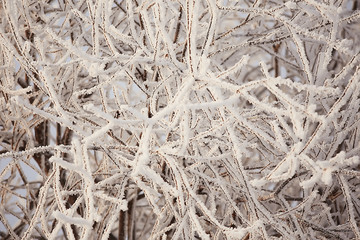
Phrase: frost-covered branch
(188, 119)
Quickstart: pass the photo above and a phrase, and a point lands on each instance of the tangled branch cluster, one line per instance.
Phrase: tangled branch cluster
(182, 119)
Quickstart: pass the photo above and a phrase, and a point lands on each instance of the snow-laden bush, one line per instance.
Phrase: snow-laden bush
(179, 119)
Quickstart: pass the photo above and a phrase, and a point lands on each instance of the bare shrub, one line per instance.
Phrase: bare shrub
(197, 119)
